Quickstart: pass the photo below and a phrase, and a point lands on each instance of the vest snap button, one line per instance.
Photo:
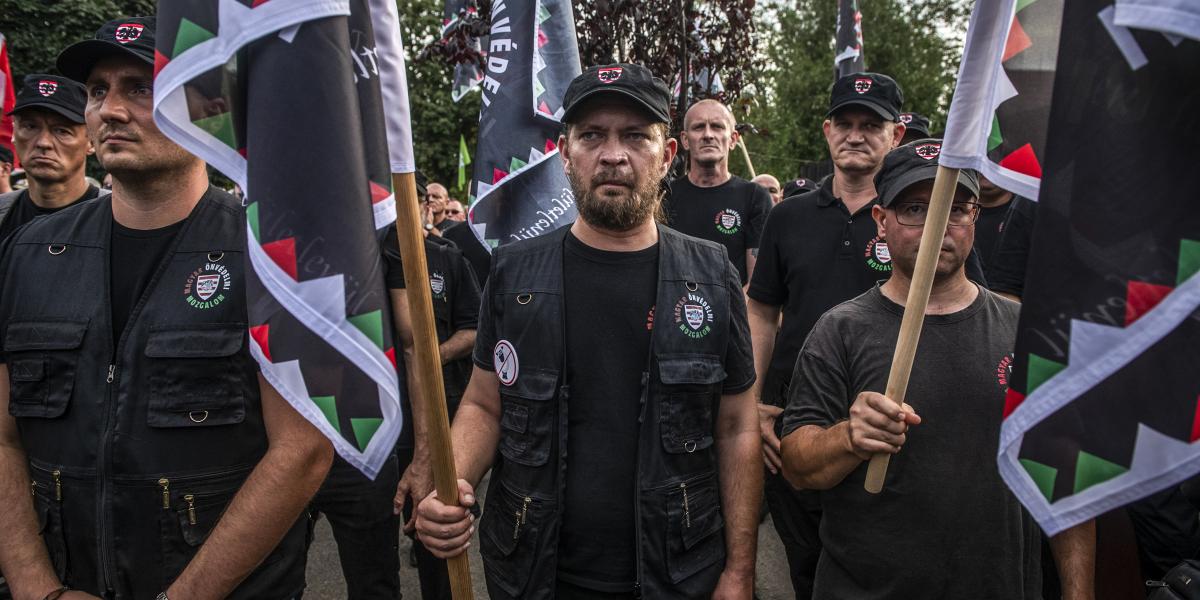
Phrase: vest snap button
(524, 298)
(691, 286)
(202, 418)
(215, 256)
(689, 446)
(57, 249)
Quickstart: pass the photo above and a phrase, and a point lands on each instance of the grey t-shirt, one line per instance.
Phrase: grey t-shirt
(945, 525)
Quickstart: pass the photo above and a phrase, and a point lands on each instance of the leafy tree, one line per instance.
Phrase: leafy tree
(918, 42)
(37, 30)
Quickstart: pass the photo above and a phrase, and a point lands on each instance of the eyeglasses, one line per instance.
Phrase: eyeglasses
(913, 213)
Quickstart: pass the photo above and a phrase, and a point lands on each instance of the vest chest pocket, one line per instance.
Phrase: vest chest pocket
(193, 378)
(690, 387)
(42, 359)
(527, 417)
(694, 523)
(510, 532)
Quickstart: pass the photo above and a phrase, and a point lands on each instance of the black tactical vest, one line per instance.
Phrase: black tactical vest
(134, 454)
(680, 530)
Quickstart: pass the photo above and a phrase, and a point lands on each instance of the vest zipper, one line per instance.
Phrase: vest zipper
(191, 502)
(521, 517)
(165, 484)
(637, 478)
(687, 513)
(57, 474)
(111, 370)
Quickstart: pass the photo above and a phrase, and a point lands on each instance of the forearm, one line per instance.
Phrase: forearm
(419, 421)
(818, 458)
(764, 326)
(475, 435)
(1075, 556)
(23, 557)
(741, 480)
(265, 508)
(458, 346)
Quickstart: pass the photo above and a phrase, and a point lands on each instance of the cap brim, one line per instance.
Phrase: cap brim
(879, 109)
(914, 176)
(74, 116)
(77, 60)
(566, 118)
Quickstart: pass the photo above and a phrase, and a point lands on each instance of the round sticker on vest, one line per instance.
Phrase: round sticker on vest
(207, 286)
(877, 254)
(504, 359)
(693, 316)
(728, 221)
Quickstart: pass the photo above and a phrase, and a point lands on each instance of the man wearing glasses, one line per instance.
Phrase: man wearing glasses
(455, 211)
(944, 516)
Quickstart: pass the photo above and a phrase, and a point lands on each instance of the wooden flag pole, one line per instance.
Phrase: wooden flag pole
(914, 308)
(746, 155)
(432, 390)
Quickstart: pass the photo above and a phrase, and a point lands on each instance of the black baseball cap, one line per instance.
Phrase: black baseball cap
(798, 186)
(133, 36)
(915, 122)
(52, 92)
(875, 91)
(6, 155)
(915, 162)
(632, 81)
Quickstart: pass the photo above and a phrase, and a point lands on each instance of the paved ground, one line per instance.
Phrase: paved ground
(325, 577)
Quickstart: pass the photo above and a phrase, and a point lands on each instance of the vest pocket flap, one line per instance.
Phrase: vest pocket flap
(27, 369)
(198, 342)
(44, 335)
(515, 418)
(690, 369)
(533, 384)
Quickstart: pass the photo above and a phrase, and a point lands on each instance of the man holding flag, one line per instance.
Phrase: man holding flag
(160, 462)
(944, 526)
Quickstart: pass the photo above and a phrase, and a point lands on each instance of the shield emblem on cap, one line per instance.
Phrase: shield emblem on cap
(128, 32)
(862, 85)
(206, 285)
(47, 87)
(609, 74)
(694, 313)
(928, 151)
(905, 118)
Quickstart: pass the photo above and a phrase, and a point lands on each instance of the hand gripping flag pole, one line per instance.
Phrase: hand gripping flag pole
(432, 391)
(914, 307)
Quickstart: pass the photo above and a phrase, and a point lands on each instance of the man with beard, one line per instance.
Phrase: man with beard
(710, 202)
(945, 525)
(142, 455)
(611, 386)
(52, 144)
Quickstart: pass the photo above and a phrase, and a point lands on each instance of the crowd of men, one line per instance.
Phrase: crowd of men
(638, 384)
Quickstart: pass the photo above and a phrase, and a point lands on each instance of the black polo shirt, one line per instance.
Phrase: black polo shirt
(814, 255)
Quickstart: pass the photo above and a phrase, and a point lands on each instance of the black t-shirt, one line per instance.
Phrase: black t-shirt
(1003, 235)
(815, 255)
(472, 249)
(455, 296)
(731, 214)
(134, 256)
(609, 297)
(24, 210)
(945, 525)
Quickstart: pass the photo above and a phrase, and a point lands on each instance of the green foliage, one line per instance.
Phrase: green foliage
(918, 42)
(37, 30)
(436, 120)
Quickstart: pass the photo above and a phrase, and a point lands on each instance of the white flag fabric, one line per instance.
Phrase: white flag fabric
(1173, 17)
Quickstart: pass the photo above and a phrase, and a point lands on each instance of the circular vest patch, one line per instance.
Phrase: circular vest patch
(693, 315)
(207, 286)
(504, 359)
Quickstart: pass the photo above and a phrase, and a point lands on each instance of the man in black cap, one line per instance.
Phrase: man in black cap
(6, 168)
(141, 453)
(798, 186)
(818, 249)
(945, 525)
(916, 126)
(52, 144)
(644, 482)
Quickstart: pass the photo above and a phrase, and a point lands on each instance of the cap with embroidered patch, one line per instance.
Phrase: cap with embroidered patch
(133, 36)
(912, 163)
(52, 92)
(915, 122)
(875, 91)
(632, 81)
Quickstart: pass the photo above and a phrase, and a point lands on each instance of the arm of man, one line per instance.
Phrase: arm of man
(1074, 553)
(764, 326)
(446, 530)
(760, 207)
(737, 442)
(23, 557)
(751, 262)
(417, 479)
(458, 346)
(297, 459)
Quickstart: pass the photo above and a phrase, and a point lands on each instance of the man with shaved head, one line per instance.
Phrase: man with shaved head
(772, 186)
(709, 202)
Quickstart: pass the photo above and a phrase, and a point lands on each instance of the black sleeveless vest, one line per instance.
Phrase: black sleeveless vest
(679, 526)
(135, 452)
